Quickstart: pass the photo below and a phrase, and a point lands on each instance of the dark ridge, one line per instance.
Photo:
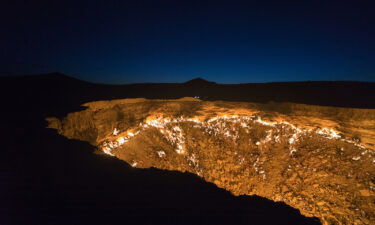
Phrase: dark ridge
(52, 77)
(199, 82)
(60, 87)
(58, 76)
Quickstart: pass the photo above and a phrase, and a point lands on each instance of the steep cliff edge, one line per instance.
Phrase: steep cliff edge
(320, 160)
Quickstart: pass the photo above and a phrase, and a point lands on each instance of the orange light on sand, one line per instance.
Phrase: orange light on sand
(217, 125)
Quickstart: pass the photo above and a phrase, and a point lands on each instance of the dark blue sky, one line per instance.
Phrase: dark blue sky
(174, 41)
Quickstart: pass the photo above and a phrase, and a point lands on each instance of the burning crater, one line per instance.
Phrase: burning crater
(320, 160)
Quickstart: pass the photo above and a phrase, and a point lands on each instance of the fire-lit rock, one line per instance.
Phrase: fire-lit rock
(320, 160)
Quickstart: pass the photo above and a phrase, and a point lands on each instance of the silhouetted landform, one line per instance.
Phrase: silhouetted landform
(48, 179)
(325, 93)
(199, 82)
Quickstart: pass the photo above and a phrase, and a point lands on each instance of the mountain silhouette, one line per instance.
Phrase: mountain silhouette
(69, 90)
(199, 82)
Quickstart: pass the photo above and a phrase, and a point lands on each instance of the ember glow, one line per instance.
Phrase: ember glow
(226, 125)
(300, 157)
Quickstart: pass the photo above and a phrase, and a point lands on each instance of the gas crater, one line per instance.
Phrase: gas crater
(319, 160)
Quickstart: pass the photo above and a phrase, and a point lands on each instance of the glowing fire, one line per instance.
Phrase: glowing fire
(214, 126)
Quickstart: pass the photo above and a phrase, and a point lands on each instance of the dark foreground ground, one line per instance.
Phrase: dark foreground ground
(48, 179)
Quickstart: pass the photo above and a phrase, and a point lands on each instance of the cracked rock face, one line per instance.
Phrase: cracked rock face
(320, 160)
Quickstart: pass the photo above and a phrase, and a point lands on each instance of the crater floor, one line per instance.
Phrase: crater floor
(320, 160)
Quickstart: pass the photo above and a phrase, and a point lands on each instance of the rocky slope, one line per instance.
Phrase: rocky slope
(320, 160)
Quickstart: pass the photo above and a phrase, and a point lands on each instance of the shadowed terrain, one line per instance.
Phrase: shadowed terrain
(49, 179)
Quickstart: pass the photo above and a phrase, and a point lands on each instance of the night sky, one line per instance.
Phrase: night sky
(175, 41)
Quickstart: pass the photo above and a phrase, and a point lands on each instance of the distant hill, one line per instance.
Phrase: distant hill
(199, 82)
(44, 78)
(69, 90)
